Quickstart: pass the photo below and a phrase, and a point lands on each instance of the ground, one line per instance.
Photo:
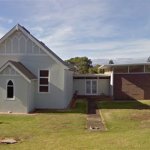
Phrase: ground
(128, 127)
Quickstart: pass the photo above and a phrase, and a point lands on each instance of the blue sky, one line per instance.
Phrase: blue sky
(93, 28)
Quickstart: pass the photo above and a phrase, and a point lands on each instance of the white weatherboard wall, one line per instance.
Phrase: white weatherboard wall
(111, 83)
(68, 86)
(103, 86)
(31, 93)
(55, 97)
(19, 104)
(79, 85)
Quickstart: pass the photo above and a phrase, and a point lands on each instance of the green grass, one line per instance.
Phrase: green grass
(128, 125)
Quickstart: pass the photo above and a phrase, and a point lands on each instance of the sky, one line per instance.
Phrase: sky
(105, 29)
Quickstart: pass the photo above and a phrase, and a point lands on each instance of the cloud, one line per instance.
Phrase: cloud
(37, 29)
(93, 28)
(58, 37)
(2, 32)
(81, 16)
(6, 20)
(109, 50)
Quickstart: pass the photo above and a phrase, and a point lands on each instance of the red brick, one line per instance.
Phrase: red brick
(131, 86)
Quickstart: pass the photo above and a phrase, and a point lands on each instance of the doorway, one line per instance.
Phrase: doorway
(91, 87)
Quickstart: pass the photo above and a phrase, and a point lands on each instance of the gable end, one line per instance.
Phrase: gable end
(20, 44)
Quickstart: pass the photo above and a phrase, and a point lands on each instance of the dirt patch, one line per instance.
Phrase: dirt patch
(94, 123)
(140, 117)
(145, 124)
(94, 120)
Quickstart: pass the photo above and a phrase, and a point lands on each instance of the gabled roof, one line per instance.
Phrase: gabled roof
(20, 68)
(35, 40)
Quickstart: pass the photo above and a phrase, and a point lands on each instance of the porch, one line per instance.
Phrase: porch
(91, 85)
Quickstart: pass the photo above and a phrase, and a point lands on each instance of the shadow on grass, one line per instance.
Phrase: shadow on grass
(81, 107)
(123, 105)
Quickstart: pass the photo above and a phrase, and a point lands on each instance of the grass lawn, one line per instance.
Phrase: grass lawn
(128, 125)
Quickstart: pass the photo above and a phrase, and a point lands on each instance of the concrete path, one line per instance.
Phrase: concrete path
(94, 120)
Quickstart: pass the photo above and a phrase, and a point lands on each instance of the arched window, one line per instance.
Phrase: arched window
(10, 90)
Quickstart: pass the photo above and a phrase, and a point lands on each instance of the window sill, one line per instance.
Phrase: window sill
(43, 92)
(10, 99)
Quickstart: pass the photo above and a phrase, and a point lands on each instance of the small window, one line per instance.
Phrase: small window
(121, 69)
(10, 90)
(137, 68)
(44, 81)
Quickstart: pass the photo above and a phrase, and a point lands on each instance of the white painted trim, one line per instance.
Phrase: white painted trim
(112, 86)
(28, 97)
(21, 74)
(15, 74)
(5, 46)
(21, 54)
(34, 79)
(91, 86)
(40, 45)
(134, 73)
(11, 75)
(41, 84)
(18, 27)
(15, 70)
(8, 34)
(10, 99)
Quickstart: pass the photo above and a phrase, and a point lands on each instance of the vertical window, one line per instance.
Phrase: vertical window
(91, 87)
(10, 90)
(43, 81)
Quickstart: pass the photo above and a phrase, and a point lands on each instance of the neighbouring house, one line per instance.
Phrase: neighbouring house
(31, 75)
(129, 81)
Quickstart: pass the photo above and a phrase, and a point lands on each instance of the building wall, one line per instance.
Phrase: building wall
(19, 104)
(31, 93)
(19, 47)
(55, 98)
(79, 85)
(131, 86)
(68, 86)
(103, 86)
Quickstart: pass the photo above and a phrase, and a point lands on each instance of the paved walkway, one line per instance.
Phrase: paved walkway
(94, 120)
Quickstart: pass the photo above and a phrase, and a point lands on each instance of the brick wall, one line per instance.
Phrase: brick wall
(131, 86)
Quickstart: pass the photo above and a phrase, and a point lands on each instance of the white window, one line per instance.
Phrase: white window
(91, 87)
(10, 90)
(44, 81)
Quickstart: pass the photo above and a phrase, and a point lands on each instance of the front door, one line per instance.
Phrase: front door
(91, 87)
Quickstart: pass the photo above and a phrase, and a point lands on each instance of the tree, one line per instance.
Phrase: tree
(94, 69)
(111, 61)
(82, 64)
(148, 60)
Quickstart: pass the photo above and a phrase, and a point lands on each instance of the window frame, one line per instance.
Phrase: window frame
(46, 85)
(7, 98)
(91, 93)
